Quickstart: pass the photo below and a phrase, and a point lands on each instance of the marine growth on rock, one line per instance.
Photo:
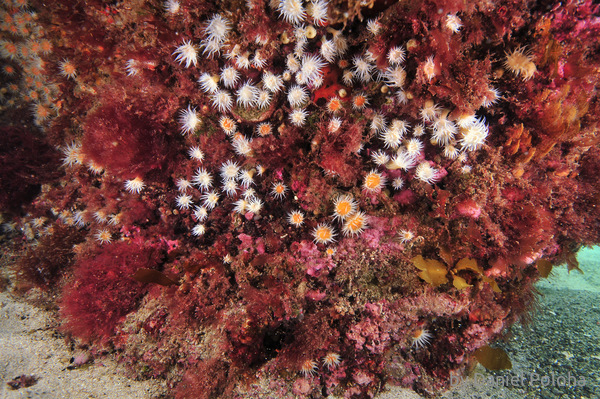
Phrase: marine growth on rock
(295, 197)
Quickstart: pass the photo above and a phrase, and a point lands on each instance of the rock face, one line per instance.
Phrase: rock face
(249, 190)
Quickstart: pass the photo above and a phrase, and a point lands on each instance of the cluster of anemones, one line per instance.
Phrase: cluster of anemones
(401, 152)
(331, 360)
(227, 89)
(346, 212)
(25, 52)
(398, 155)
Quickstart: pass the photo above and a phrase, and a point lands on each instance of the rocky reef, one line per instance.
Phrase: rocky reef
(292, 197)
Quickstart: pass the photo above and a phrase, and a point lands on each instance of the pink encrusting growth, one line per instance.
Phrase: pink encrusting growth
(296, 198)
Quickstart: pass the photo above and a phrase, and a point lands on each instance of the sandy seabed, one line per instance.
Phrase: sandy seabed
(562, 341)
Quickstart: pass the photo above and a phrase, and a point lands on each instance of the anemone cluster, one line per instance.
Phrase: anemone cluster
(244, 82)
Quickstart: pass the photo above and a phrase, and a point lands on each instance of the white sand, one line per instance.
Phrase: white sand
(29, 346)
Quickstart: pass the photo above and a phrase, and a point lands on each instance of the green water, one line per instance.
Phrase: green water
(589, 263)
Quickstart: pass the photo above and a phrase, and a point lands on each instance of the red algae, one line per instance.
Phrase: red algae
(161, 235)
(102, 290)
(138, 152)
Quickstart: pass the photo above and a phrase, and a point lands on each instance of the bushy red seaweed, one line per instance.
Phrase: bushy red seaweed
(144, 148)
(102, 289)
(44, 265)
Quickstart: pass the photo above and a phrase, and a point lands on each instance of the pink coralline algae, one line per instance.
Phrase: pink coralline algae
(290, 197)
(468, 208)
